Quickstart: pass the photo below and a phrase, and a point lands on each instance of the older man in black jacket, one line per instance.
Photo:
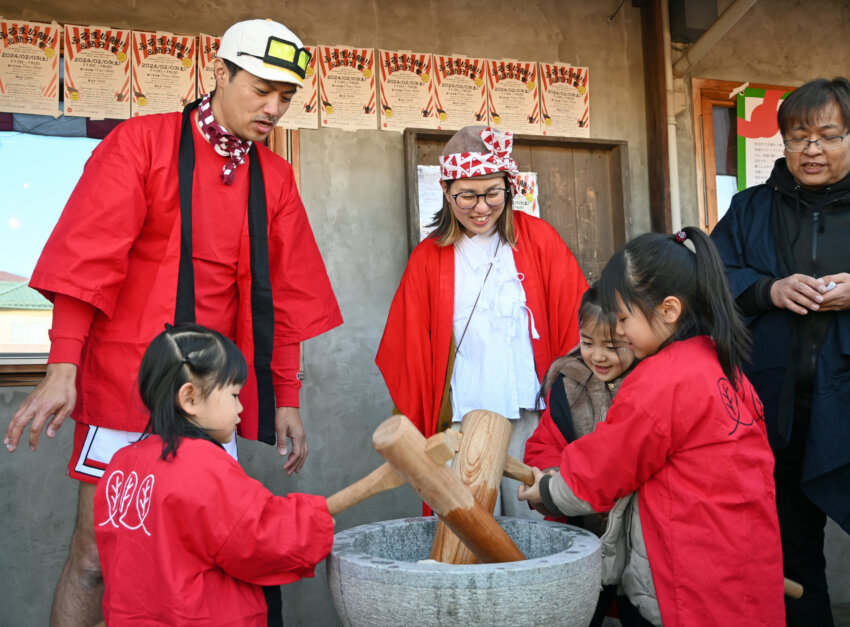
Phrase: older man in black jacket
(786, 246)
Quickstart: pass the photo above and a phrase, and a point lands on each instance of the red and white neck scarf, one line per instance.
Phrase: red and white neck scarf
(463, 165)
(225, 144)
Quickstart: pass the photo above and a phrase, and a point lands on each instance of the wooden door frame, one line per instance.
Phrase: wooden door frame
(286, 143)
(705, 94)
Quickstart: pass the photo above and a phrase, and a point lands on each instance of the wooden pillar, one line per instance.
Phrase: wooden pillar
(658, 159)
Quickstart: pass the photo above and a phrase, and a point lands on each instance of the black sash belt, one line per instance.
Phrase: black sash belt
(262, 303)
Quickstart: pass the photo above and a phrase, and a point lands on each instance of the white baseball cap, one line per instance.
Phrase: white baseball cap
(266, 49)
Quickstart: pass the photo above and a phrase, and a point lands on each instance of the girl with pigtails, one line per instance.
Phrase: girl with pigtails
(686, 433)
(185, 537)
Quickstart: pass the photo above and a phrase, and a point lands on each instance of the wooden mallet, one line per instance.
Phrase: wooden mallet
(440, 447)
(480, 464)
(401, 444)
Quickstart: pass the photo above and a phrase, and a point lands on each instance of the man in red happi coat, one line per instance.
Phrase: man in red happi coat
(179, 218)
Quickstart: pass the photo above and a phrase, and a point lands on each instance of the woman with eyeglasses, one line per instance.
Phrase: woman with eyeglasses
(488, 300)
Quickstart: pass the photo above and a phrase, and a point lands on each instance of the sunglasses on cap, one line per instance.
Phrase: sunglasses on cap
(284, 54)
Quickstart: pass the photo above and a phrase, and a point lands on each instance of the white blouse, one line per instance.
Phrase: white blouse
(494, 366)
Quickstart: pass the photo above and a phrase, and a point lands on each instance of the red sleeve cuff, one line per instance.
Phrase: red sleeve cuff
(72, 320)
(65, 350)
(288, 395)
(285, 368)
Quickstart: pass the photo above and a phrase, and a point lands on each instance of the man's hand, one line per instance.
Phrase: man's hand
(798, 293)
(288, 425)
(837, 298)
(50, 402)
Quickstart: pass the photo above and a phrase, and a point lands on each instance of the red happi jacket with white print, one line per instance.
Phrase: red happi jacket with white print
(695, 448)
(190, 541)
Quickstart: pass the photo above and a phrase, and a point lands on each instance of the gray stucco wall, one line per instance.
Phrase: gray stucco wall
(353, 188)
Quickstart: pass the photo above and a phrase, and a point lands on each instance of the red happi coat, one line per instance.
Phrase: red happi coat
(116, 246)
(190, 541)
(414, 352)
(696, 450)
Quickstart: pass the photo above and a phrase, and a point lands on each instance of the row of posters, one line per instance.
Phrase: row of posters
(108, 73)
(424, 90)
(115, 73)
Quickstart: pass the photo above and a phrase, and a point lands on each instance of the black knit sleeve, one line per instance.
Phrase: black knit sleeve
(559, 408)
(756, 299)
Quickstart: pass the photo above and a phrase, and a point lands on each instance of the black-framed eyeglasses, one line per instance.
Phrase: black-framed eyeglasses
(494, 198)
(823, 143)
(285, 54)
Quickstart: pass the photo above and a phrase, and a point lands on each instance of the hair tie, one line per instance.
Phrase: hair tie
(680, 237)
(185, 360)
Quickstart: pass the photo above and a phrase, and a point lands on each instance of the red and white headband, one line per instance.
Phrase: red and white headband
(464, 165)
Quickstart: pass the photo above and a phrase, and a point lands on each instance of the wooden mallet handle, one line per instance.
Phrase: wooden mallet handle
(381, 479)
(438, 447)
(515, 469)
(401, 444)
(793, 589)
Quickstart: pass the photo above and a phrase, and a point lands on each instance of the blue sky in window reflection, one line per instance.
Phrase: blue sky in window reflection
(37, 175)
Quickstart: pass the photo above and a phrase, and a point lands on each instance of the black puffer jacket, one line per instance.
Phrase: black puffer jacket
(812, 233)
(770, 232)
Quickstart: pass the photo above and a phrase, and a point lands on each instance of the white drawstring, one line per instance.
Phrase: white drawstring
(534, 334)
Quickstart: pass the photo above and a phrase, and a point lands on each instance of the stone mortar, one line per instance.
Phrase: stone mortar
(375, 578)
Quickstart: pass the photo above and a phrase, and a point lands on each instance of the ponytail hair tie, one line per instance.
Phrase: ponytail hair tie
(680, 237)
(185, 360)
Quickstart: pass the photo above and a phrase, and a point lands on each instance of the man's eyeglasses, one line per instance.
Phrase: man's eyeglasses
(823, 143)
(284, 54)
(467, 200)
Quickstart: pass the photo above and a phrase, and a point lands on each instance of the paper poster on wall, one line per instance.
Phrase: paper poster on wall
(29, 67)
(512, 92)
(407, 95)
(564, 100)
(347, 87)
(163, 72)
(207, 52)
(303, 107)
(430, 196)
(460, 91)
(526, 200)
(97, 72)
(759, 141)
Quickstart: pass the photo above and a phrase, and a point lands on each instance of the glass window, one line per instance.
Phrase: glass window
(37, 175)
(725, 156)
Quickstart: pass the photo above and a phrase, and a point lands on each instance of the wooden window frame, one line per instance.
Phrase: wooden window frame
(706, 94)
